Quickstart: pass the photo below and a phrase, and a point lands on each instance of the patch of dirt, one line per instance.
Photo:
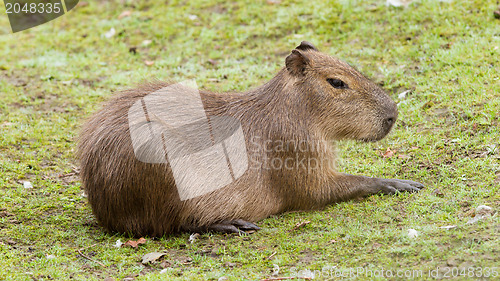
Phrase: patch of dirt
(307, 257)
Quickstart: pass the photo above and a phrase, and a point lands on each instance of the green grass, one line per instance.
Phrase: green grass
(55, 75)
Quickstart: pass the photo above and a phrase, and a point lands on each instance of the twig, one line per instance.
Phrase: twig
(89, 258)
(271, 256)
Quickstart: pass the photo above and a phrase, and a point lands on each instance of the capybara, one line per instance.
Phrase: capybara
(288, 129)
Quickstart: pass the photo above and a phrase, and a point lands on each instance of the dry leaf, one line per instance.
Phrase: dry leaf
(124, 14)
(149, 257)
(301, 224)
(388, 153)
(213, 62)
(149, 63)
(135, 244)
(438, 193)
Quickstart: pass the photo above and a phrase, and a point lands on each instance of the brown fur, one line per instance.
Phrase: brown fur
(297, 106)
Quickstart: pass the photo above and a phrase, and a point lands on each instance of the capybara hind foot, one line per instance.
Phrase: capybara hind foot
(232, 226)
(393, 186)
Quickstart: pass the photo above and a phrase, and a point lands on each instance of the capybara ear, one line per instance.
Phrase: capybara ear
(296, 63)
(304, 46)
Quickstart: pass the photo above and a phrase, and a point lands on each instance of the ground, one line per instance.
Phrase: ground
(446, 53)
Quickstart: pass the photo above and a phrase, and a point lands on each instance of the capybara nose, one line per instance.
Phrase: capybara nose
(388, 123)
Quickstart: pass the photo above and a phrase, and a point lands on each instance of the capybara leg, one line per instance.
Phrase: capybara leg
(392, 186)
(345, 187)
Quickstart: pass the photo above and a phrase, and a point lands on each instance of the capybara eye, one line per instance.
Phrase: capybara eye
(336, 83)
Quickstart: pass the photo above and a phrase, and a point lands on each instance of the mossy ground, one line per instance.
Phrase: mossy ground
(55, 75)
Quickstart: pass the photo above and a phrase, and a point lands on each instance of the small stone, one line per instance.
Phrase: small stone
(412, 233)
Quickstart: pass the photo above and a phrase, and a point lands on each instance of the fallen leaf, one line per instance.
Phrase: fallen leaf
(149, 63)
(135, 244)
(437, 193)
(403, 156)
(301, 224)
(388, 153)
(124, 14)
(149, 257)
(213, 62)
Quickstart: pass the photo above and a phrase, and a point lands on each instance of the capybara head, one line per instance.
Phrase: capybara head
(346, 103)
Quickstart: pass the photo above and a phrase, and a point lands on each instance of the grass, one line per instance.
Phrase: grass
(55, 75)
